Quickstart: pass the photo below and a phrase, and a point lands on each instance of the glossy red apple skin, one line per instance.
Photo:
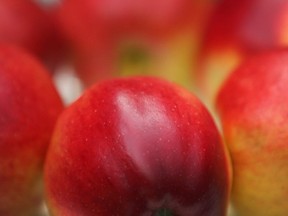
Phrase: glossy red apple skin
(29, 106)
(28, 25)
(134, 146)
(237, 30)
(253, 110)
(102, 33)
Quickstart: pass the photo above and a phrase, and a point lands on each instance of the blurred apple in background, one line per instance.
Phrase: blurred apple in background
(137, 146)
(124, 37)
(32, 27)
(238, 29)
(29, 106)
(253, 107)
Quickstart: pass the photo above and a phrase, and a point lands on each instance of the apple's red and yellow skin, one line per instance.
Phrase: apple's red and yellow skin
(134, 37)
(27, 25)
(29, 106)
(237, 30)
(253, 111)
(137, 146)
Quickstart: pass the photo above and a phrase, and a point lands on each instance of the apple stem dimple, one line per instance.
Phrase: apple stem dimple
(163, 212)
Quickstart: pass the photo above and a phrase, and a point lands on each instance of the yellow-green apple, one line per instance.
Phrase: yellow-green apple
(158, 37)
(253, 110)
(238, 29)
(26, 24)
(29, 106)
(137, 146)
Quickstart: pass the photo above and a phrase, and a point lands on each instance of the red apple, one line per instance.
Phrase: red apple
(237, 30)
(253, 107)
(24, 23)
(127, 37)
(137, 146)
(29, 106)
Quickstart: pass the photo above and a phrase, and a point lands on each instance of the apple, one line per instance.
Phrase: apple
(137, 146)
(29, 106)
(26, 24)
(120, 38)
(236, 31)
(253, 109)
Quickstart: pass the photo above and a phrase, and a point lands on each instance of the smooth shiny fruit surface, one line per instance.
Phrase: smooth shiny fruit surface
(29, 106)
(253, 110)
(137, 146)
